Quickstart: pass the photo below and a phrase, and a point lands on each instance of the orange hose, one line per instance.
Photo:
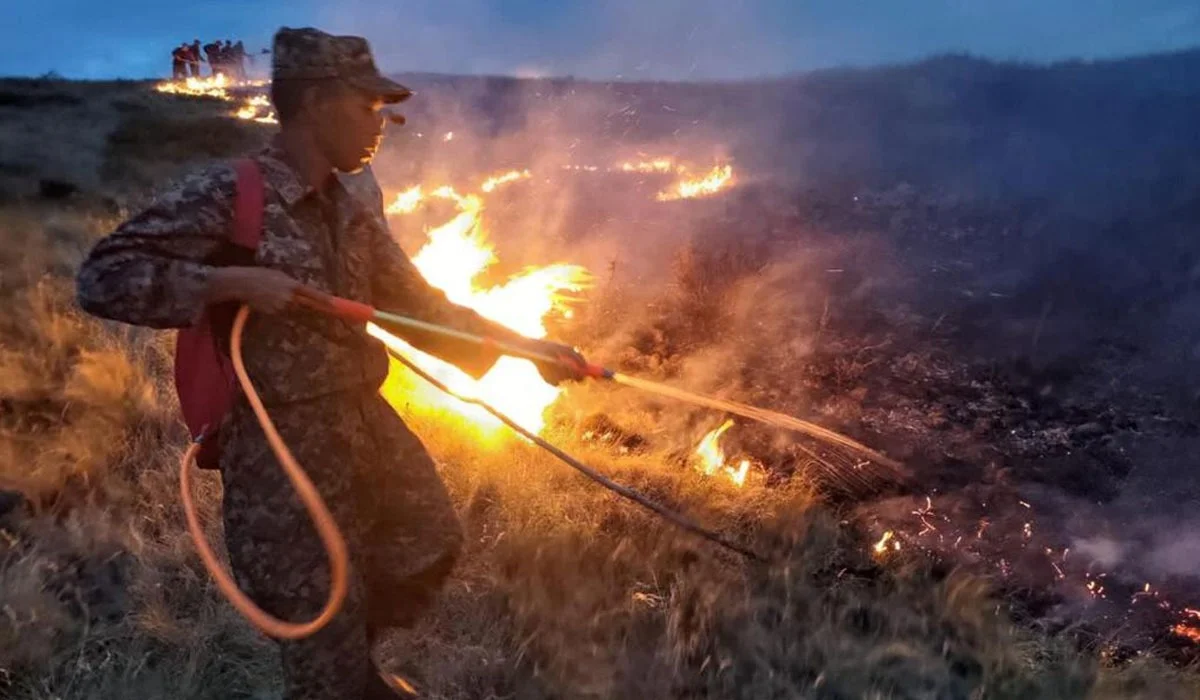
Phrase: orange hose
(327, 529)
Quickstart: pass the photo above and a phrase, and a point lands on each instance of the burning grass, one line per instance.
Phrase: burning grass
(564, 591)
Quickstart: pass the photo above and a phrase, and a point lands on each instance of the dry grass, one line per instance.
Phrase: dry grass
(565, 591)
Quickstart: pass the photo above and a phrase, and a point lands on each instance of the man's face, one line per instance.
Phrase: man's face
(349, 128)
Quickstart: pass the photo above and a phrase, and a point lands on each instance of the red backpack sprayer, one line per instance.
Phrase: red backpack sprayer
(207, 381)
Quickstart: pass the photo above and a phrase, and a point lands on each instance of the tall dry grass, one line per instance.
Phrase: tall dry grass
(102, 593)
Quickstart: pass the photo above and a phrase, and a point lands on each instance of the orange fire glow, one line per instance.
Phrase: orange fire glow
(657, 165)
(717, 179)
(712, 457)
(456, 254)
(257, 108)
(254, 108)
(407, 201)
(495, 181)
(1187, 629)
(881, 547)
(215, 86)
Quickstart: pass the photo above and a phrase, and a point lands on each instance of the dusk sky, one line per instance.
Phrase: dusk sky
(630, 39)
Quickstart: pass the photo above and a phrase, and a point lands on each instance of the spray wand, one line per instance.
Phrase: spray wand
(362, 313)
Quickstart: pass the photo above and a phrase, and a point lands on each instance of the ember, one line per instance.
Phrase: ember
(881, 547)
(1187, 631)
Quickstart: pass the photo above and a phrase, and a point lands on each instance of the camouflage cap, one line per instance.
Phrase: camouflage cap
(312, 53)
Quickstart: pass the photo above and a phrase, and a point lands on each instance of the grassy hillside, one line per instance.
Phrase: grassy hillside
(564, 592)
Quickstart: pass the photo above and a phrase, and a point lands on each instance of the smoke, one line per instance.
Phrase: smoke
(719, 40)
(672, 39)
(763, 294)
(1177, 552)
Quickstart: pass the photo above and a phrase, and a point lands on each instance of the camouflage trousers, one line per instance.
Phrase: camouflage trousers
(398, 520)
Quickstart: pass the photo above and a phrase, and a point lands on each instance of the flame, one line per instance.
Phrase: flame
(716, 180)
(1187, 630)
(407, 201)
(456, 255)
(688, 186)
(496, 180)
(712, 457)
(197, 87)
(255, 108)
(881, 546)
(657, 165)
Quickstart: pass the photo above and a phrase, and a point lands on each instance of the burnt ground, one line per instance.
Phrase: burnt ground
(1037, 398)
(1036, 391)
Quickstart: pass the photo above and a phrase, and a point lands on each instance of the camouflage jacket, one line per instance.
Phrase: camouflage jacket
(153, 271)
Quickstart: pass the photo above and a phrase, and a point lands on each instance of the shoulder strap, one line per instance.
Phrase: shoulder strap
(248, 204)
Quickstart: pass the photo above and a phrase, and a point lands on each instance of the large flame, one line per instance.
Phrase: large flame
(459, 252)
(453, 259)
(711, 457)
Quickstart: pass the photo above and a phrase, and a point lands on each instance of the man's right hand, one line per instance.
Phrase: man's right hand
(264, 290)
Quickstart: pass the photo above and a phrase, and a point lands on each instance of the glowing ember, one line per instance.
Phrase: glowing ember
(717, 179)
(1188, 632)
(493, 182)
(457, 253)
(712, 457)
(881, 547)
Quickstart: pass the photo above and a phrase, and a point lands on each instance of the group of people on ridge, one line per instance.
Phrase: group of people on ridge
(226, 58)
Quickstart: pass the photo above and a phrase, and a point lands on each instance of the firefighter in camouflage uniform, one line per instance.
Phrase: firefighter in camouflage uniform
(318, 376)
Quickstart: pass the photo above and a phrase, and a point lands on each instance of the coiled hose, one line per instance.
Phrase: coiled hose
(327, 529)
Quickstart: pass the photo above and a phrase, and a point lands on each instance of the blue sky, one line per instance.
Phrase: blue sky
(631, 39)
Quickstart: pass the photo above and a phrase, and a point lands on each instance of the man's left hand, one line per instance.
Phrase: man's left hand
(570, 365)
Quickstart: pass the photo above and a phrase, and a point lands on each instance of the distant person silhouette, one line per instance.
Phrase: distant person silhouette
(238, 60)
(213, 51)
(194, 59)
(179, 62)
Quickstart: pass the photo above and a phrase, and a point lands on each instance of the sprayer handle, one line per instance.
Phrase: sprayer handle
(334, 306)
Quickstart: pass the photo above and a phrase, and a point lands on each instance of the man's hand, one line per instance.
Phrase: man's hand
(261, 288)
(571, 366)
